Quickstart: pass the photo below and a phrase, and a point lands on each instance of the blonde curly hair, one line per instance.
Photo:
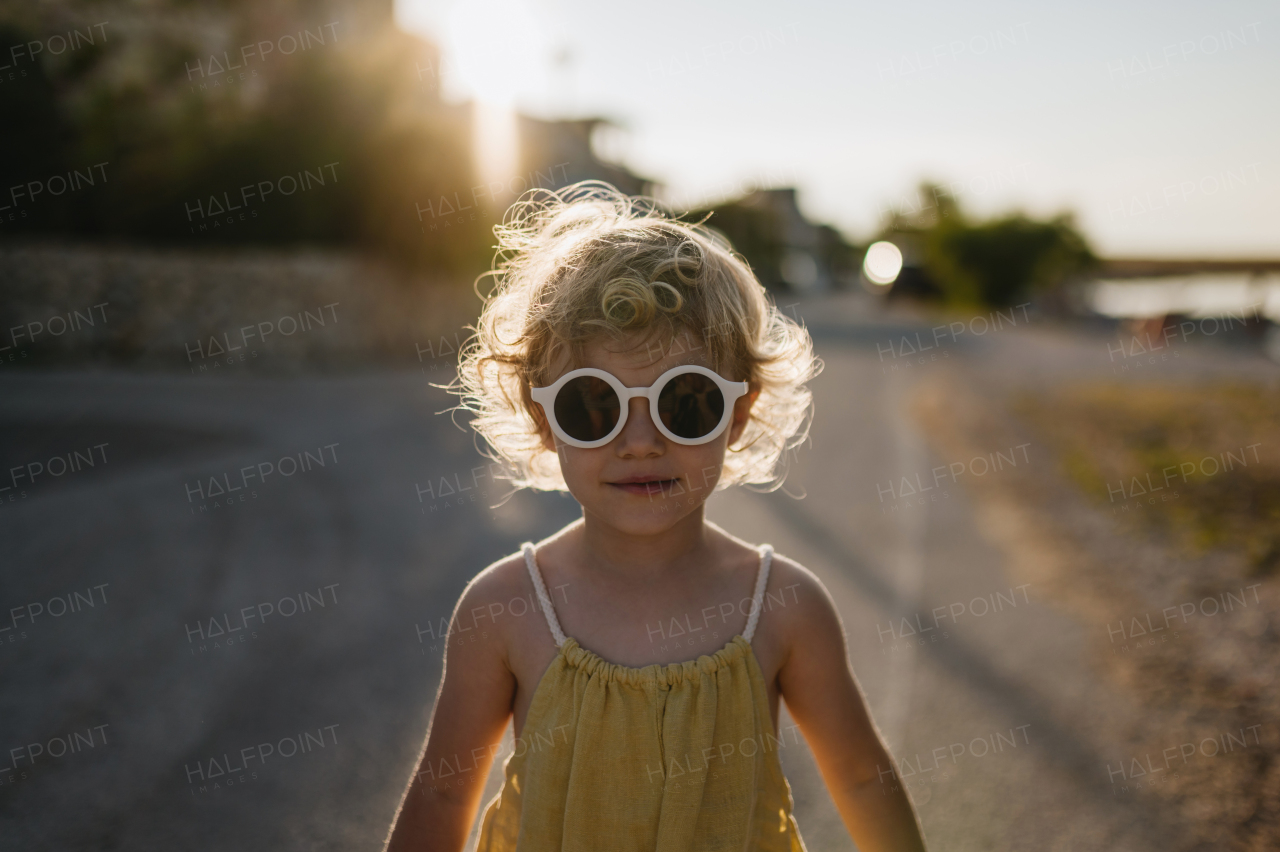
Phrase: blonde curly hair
(588, 261)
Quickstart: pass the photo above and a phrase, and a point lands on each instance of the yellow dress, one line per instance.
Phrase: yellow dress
(665, 758)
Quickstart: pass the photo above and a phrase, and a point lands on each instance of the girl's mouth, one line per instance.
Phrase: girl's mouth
(657, 486)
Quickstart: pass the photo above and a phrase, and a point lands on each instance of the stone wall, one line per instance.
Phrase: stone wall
(268, 310)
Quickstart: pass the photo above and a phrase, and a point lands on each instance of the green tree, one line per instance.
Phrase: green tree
(172, 139)
(996, 262)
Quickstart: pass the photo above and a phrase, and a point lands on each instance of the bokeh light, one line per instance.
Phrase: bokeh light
(883, 263)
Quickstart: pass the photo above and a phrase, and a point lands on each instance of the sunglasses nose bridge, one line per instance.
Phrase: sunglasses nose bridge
(629, 394)
(637, 416)
(637, 405)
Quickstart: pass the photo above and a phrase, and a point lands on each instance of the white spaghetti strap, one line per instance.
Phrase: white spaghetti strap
(757, 599)
(543, 598)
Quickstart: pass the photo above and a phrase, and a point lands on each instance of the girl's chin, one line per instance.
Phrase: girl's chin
(633, 516)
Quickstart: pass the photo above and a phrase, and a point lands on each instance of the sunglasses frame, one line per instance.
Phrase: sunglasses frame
(546, 396)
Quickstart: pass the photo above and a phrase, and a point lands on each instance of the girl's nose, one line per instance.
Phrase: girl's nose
(639, 437)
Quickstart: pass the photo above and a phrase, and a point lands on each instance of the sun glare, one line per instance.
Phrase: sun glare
(493, 45)
(496, 143)
(883, 263)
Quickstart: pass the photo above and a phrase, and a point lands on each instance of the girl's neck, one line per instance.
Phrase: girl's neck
(608, 552)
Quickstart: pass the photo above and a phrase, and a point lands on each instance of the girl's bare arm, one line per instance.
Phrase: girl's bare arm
(824, 698)
(470, 716)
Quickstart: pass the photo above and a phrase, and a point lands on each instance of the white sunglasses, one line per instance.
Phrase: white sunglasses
(690, 405)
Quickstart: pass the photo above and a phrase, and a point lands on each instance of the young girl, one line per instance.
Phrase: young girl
(636, 362)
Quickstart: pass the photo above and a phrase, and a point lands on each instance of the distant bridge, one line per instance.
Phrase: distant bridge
(1129, 267)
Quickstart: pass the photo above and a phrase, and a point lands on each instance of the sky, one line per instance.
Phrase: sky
(1157, 123)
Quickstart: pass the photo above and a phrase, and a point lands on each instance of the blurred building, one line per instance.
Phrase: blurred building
(564, 148)
(785, 249)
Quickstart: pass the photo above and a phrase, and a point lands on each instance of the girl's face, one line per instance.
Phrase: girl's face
(681, 477)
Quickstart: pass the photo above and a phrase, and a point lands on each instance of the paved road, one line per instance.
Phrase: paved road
(256, 674)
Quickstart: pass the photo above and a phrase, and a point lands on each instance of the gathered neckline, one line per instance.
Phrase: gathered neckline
(661, 674)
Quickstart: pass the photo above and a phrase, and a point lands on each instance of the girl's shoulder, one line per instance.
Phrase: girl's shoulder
(501, 589)
(794, 601)
(503, 599)
(795, 583)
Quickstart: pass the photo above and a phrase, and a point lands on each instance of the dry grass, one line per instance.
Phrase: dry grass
(1198, 466)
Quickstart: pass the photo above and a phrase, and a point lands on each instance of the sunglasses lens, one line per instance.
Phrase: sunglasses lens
(587, 408)
(691, 405)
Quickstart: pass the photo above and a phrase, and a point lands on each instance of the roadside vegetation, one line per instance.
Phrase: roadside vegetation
(1196, 465)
